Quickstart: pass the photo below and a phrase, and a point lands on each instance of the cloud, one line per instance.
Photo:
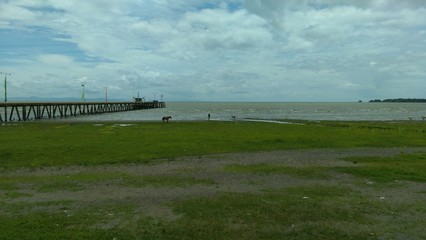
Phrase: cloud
(262, 50)
(55, 59)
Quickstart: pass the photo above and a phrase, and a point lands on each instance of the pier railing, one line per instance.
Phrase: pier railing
(20, 111)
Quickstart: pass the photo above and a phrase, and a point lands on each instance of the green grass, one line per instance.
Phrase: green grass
(267, 169)
(57, 226)
(408, 167)
(78, 182)
(60, 144)
(296, 213)
(13, 194)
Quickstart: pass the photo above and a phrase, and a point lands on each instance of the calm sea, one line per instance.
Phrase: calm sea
(189, 111)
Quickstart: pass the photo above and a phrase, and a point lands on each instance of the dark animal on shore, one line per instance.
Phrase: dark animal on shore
(166, 119)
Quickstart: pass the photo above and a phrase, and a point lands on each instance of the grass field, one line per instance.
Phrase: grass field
(188, 180)
(59, 144)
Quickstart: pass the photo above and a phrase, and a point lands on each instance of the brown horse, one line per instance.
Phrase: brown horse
(166, 118)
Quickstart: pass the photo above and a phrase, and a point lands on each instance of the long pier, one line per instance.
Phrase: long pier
(28, 111)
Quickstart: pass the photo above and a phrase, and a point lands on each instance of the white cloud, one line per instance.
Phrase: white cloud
(55, 60)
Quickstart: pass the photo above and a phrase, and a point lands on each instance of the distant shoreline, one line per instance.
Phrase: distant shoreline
(408, 100)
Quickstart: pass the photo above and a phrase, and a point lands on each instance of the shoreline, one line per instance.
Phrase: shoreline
(272, 120)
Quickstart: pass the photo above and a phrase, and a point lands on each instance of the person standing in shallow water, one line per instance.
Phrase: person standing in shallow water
(208, 116)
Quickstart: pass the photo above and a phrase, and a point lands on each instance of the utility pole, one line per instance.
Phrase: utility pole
(82, 93)
(5, 93)
(5, 84)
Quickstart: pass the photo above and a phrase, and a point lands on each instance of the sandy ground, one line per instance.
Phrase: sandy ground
(152, 200)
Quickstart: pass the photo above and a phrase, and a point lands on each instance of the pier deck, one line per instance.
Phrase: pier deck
(25, 111)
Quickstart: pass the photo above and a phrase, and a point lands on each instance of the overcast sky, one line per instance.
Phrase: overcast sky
(215, 50)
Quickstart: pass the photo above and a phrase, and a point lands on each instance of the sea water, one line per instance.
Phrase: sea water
(196, 111)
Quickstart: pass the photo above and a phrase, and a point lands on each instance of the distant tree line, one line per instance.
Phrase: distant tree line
(400, 100)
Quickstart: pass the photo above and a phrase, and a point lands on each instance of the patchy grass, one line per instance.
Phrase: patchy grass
(13, 194)
(288, 213)
(266, 169)
(79, 181)
(408, 167)
(315, 212)
(165, 181)
(35, 205)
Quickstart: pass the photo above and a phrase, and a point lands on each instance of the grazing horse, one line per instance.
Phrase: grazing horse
(166, 119)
